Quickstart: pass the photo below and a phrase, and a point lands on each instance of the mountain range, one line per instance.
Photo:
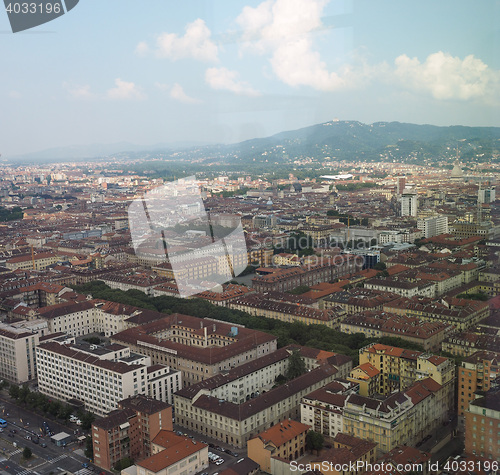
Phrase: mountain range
(334, 140)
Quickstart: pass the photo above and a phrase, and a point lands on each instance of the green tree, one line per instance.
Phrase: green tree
(14, 391)
(24, 392)
(27, 453)
(87, 420)
(89, 448)
(123, 463)
(296, 365)
(380, 266)
(314, 441)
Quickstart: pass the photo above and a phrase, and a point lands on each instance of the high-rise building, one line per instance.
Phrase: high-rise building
(482, 421)
(100, 377)
(433, 225)
(400, 185)
(129, 430)
(409, 204)
(486, 196)
(477, 373)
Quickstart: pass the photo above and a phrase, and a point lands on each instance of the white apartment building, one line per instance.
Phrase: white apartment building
(100, 377)
(93, 316)
(409, 204)
(433, 225)
(17, 349)
(323, 409)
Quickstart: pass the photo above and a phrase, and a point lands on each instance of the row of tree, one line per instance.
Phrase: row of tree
(315, 336)
(43, 404)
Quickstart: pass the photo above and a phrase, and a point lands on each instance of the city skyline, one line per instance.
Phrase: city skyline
(225, 72)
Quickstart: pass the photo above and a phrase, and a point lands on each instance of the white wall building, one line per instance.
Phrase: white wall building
(433, 226)
(409, 204)
(100, 377)
(17, 349)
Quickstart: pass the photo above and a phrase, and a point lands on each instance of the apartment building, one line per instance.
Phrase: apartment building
(404, 417)
(461, 313)
(129, 430)
(482, 426)
(402, 286)
(198, 348)
(100, 377)
(38, 261)
(286, 440)
(172, 455)
(258, 304)
(467, 343)
(476, 373)
(433, 225)
(399, 368)
(323, 409)
(367, 377)
(325, 270)
(377, 324)
(359, 300)
(75, 318)
(235, 423)
(346, 452)
(18, 342)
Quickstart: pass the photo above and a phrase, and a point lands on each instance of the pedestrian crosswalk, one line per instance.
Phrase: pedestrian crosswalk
(56, 459)
(27, 472)
(18, 451)
(83, 471)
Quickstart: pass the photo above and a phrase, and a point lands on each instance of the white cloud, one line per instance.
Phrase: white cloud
(15, 95)
(142, 48)
(79, 91)
(125, 90)
(177, 93)
(283, 29)
(195, 43)
(162, 86)
(224, 79)
(447, 77)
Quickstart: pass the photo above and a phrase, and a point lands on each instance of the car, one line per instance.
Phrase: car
(28, 437)
(219, 461)
(43, 445)
(35, 440)
(211, 445)
(85, 465)
(10, 435)
(1, 430)
(13, 431)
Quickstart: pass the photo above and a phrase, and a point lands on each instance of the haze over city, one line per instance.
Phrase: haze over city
(227, 71)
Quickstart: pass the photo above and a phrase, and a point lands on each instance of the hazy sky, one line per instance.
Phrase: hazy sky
(160, 71)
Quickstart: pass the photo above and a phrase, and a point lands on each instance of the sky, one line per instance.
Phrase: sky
(159, 71)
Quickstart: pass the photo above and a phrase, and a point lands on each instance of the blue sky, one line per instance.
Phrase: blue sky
(224, 71)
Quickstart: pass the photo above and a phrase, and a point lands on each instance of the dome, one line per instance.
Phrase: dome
(457, 171)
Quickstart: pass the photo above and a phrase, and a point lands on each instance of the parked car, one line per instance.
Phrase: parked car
(43, 445)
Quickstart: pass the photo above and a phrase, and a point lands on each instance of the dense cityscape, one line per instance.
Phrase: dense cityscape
(356, 330)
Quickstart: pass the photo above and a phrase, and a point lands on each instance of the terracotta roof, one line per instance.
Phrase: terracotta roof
(176, 448)
(283, 432)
